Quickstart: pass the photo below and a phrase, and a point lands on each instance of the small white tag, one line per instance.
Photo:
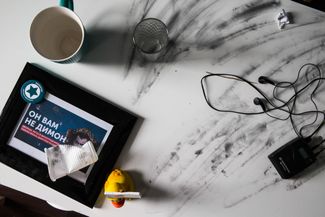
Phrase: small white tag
(134, 195)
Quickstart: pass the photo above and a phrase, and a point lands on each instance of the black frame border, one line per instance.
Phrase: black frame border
(122, 121)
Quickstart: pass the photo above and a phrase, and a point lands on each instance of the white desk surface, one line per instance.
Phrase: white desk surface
(178, 155)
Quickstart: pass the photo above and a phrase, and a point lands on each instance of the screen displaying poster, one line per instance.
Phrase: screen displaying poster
(53, 122)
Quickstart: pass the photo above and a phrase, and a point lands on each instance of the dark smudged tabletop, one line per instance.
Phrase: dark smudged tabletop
(187, 159)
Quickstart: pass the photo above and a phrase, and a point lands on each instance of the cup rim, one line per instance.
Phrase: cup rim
(75, 16)
(146, 19)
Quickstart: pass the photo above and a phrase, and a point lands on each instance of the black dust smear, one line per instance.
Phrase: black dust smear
(189, 12)
(271, 179)
(246, 12)
(214, 144)
(221, 153)
(317, 48)
(226, 147)
(183, 23)
(220, 40)
(190, 146)
(267, 39)
(254, 8)
(279, 67)
(148, 80)
(252, 188)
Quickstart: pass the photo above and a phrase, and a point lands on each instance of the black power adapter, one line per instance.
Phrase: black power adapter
(293, 157)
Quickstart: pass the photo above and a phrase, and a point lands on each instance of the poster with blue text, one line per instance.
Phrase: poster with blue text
(53, 122)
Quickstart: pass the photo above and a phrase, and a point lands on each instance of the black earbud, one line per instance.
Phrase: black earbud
(265, 80)
(259, 101)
